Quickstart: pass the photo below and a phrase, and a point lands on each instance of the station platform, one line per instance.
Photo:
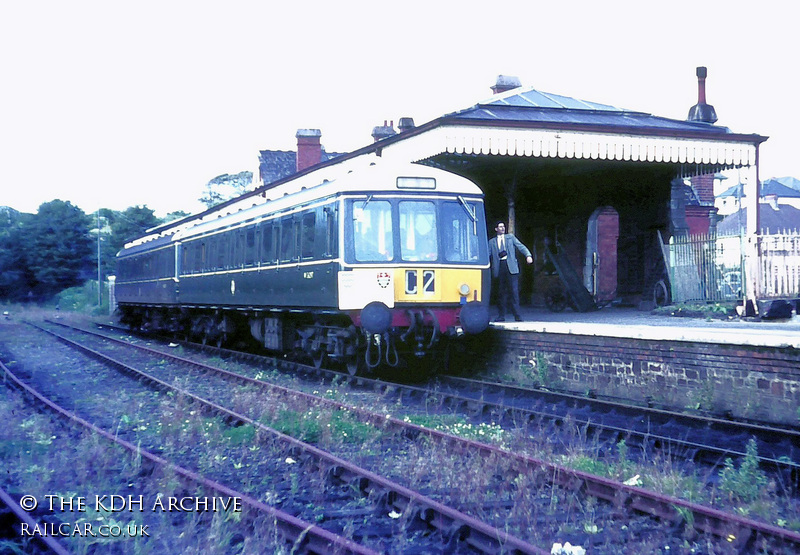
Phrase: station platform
(627, 322)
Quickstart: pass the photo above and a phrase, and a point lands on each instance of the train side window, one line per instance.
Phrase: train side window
(307, 231)
(288, 240)
(251, 252)
(211, 263)
(223, 251)
(240, 258)
(267, 243)
(331, 232)
(187, 251)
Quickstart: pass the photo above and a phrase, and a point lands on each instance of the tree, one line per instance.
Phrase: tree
(177, 215)
(57, 248)
(123, 227)
(14, 277)
(131, 223)
(225, 187)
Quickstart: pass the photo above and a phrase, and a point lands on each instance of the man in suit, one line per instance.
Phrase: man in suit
(503, 251)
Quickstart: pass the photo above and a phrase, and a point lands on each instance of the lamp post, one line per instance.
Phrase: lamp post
(99, 275)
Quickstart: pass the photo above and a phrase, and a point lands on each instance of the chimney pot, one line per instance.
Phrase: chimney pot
(405, 124)
(505, 83)
(382, 132)
(702, 111)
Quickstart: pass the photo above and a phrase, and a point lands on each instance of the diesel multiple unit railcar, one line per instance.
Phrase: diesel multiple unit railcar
(365, 265)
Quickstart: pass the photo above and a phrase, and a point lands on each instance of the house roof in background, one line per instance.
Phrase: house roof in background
(789, 182)
(778, 187)
(735, 191)
(275, 165)
(772, 220)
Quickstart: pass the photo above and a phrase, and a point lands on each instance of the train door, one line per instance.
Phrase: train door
(600, 267)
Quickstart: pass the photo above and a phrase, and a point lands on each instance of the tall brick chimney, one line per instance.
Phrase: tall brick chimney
(309, 148)
(703, 185)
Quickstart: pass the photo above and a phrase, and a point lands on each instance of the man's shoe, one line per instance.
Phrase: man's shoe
(518, 318)
(500, 319)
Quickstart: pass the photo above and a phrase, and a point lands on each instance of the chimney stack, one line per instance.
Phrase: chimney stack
(382, 132)
(702, 111)
(309, 148)
(405, 124)
(505, 83)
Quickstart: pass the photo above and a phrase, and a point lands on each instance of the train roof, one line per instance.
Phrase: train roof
(363, 174)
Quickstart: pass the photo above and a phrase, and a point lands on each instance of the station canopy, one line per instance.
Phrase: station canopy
(530, 123)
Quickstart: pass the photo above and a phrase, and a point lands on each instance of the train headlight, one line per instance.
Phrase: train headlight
(463, 289)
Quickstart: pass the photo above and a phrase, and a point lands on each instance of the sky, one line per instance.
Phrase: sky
(111, 104)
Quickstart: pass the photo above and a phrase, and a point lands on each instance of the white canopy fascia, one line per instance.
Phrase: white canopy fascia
(546, 143)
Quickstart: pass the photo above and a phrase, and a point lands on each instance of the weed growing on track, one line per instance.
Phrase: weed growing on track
(746, 483)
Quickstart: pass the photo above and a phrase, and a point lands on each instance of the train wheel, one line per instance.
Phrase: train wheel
(354, 364)
(222, 340)
(320, 359)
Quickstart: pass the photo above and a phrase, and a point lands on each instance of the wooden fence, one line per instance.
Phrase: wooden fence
(712, 267)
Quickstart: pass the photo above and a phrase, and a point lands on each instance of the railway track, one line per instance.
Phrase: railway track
(12, 520)
(437, 524)
(734, 529)
(697, 438)
(303, 536)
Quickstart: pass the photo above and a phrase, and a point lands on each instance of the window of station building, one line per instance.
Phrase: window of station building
(418, 232)
(288, 240)
(267, 243)
(372, 231)
(459, 227)
(307, 232)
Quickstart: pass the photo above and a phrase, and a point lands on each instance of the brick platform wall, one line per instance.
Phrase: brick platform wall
(752, 382)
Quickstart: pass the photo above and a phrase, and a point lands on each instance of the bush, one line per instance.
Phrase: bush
(82, 298)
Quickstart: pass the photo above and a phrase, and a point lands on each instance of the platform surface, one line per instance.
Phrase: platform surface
(629, 322)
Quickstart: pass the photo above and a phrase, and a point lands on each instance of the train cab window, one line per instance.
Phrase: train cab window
(460, 231)
(418, 232)
(307, 231)
(288, 240)
(372, 230)
(267, 243)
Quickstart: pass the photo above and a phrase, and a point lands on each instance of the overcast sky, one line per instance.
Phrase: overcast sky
(115, 104)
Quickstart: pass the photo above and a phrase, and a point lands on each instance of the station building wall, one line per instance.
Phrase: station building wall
(761, 383)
